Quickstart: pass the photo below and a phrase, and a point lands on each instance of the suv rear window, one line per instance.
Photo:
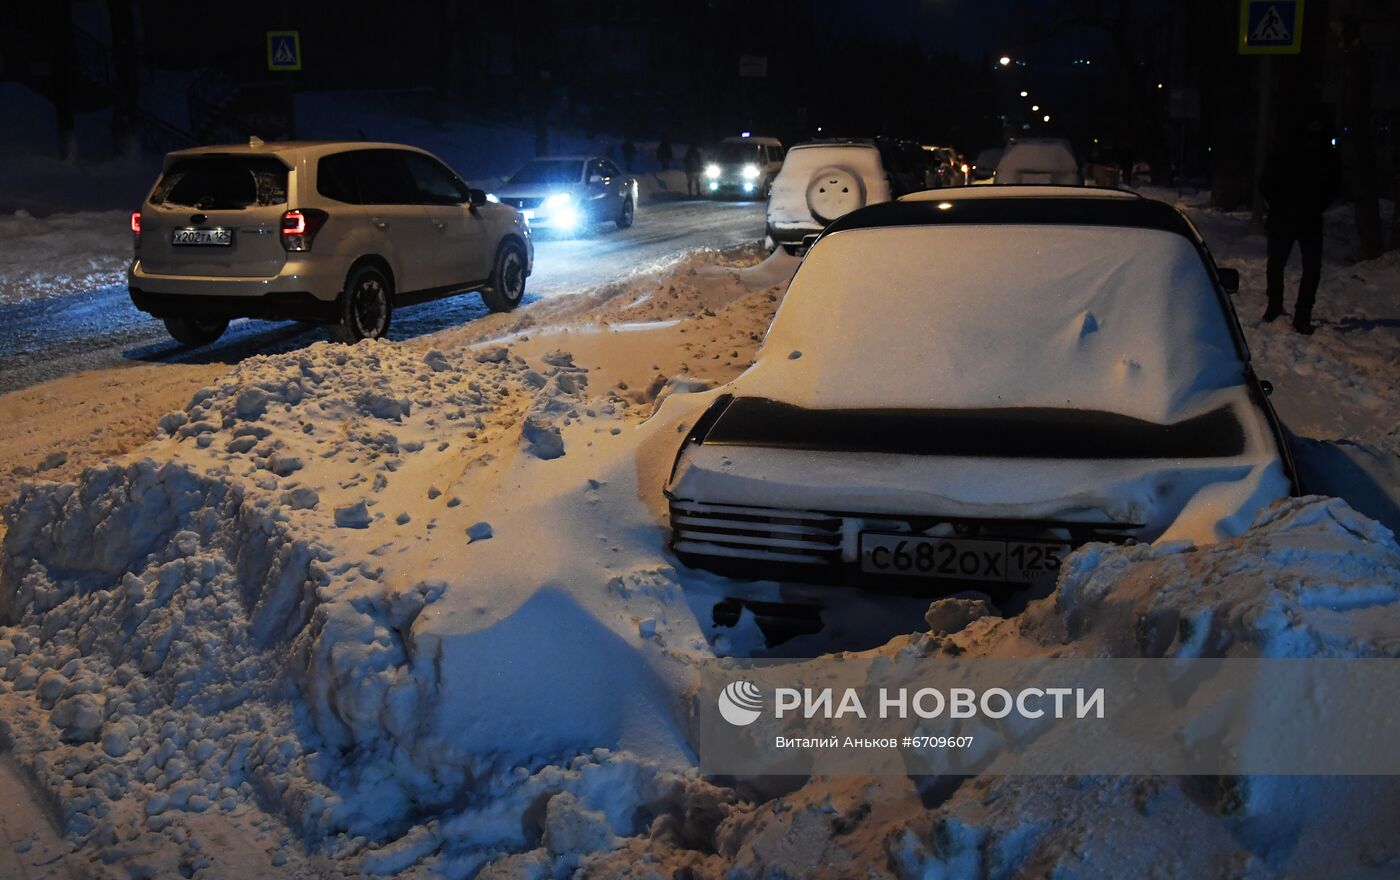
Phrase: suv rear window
(223, 183)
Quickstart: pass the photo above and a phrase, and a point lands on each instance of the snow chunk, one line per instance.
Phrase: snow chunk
(353, 516)
(541, 440)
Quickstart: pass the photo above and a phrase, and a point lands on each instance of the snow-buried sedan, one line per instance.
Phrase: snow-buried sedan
(968, 384)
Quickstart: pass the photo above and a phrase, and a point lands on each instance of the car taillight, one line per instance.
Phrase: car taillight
(299, 228)
(136, 228)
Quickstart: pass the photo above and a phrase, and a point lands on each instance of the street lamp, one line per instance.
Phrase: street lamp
(1025, 94)
(1035, 108)
(1047, 117)
(1004, 60)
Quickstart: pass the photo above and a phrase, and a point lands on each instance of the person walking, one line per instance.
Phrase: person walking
(1300, 180)
(693, 165)
(664, 155)
(629, 152)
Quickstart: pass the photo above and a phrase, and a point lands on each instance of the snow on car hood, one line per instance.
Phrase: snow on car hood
(998, 318)
(1107, 319)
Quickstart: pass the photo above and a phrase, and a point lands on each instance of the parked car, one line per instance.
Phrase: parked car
(336, 233)
(1039, 160)
(568, 193)
(819, 182)
(910, 167)
(949, 168)
(964, 386)
(984, 167)
(744, 165)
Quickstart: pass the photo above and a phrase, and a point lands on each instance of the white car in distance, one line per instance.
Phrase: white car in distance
(821, 182)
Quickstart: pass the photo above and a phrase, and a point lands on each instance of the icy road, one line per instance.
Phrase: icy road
(97, 327)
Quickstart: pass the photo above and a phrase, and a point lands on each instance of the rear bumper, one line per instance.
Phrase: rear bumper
(278, 306)
(292, 295)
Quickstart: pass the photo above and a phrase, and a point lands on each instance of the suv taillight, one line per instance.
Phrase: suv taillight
(136, 228)
(299, 228)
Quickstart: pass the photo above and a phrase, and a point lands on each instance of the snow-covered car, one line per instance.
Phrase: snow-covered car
(568, 193)
(744, 166)
(1039, 160)
(966, 385)
(984, 167)
(820, 182)
(339, 233)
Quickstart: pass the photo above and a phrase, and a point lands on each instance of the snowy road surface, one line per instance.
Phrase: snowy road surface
(91, 328)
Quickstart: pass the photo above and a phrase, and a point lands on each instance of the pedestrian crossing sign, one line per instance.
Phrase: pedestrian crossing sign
(1271, 27)
(283, 50)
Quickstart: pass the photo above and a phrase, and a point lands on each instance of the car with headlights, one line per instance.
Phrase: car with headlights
(1018, 371)
(568, 194)
(820, 182)
(744, 166)
(339, 233)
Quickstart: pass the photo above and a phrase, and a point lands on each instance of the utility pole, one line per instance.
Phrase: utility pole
(1263, 135)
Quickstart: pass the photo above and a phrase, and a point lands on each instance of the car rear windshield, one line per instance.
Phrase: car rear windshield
(223, 183)
(550, 171)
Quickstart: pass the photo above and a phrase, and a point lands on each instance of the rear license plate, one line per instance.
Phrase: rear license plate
(217, 236)
(1018, 562)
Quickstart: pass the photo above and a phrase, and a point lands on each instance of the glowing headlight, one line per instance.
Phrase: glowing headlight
(712, 171)
(565, 218)
(557, 200)
(491, 197)
(750, 172)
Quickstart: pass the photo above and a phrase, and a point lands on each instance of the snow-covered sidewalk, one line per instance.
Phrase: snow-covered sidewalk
(407, 609)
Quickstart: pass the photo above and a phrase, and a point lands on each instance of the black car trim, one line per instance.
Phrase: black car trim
(1010, 432)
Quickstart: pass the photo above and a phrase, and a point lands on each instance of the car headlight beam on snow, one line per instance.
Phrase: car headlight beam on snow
(558, 200)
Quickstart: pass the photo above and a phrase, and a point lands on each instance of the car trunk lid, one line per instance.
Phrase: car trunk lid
(216, 215)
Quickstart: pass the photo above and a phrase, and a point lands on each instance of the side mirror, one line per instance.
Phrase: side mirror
(476, 197)
(1229, 279)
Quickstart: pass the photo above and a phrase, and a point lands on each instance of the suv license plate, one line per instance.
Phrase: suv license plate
(217, 236)
(1018, 562)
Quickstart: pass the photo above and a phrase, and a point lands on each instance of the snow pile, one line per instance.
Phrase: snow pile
(62, 253)
(323, 592)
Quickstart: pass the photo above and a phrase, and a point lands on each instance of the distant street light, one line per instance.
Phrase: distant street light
(1025, 94)
(1035, 108)
(1047, 117)
(1159, 85)
(1004, 60)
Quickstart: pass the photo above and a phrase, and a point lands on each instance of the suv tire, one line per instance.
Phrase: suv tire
(366, 306)
(507, 279)
(195, 331)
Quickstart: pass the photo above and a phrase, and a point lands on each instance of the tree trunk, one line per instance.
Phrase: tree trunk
(125, 100)
(61, 38)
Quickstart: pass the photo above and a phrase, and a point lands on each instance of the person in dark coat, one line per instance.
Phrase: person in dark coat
(693, 166)
(629, 152)
(1300, 180)
(664, 155)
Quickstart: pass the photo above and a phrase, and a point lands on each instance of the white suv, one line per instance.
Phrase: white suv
(334, 233)
(819, 182)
